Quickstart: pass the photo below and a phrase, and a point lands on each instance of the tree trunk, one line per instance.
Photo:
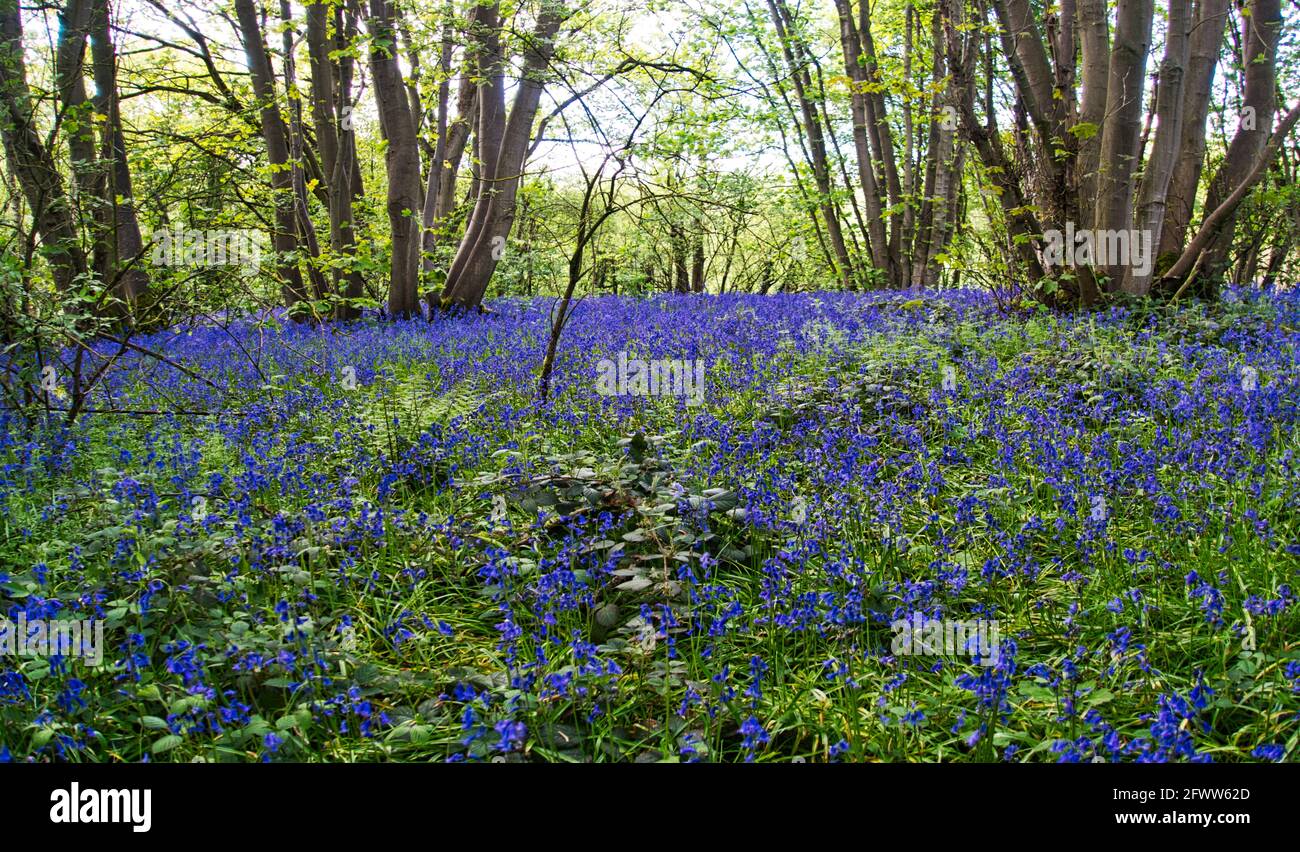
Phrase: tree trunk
(401, 160)
(947, 168)
(1260, 29)
(30, 162)
(1156, 175)
(697, 259)
(328, 110)
(77, 120)
(882, 145)
(504, 143)
(429, 214)
(1207, 39)
(1036, 86)
(1022, 225)
(920, 241)
(877, 238)
(1191, 259)
(1094, 39)
(440, 195)
(285, 238)
(130, 280)
(794, 52)
(681, 268)
(297, 147)
(1119, 135)
(909, 140)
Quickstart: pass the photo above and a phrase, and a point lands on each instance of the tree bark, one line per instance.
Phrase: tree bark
(285, 239)
(1191, 260)
(1022, 224)
(1207, 38)
(453, 134)
(947, 165)
(77, 121)
(1094, 40)
(504, 144)
(31, 162)
(1124, 94)
(1260, 29)
(794, 51)
(297, 148)
(697, 258)
(130, 281)
(877, 237)
(882, 145)
(1169, 112)
(401, 161)
(329, 105)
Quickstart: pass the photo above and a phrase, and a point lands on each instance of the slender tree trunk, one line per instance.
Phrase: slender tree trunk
(453, 134)
(1119, 137)
(1036, 83)
(793, 50)
(921, 239)
(346, 33)
(909, 141)
(31, 162)
(1278, 253)
(1094, 38)
(882, 145)
(297, 147)
(1191, 259)
(429, 215)
(951, 160)
(329, 106)
(457, 138)
(697, 259)
(413, 84)
(274, 133)
(504, 145)
(1169, 111)
(1260, 29)
(78, 124)
(681, 269)
(1022, 225)
(1207, 39)
(401, 160)
(877, 237)
(941, 203)
(132, 281)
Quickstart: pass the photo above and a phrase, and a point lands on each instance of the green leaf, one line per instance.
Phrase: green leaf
(165, 744)
(1085, 130)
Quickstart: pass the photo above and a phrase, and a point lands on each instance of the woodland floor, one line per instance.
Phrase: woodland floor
(379, 546)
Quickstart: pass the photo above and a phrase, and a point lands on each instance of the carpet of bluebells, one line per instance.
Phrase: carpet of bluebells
(372, 542)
